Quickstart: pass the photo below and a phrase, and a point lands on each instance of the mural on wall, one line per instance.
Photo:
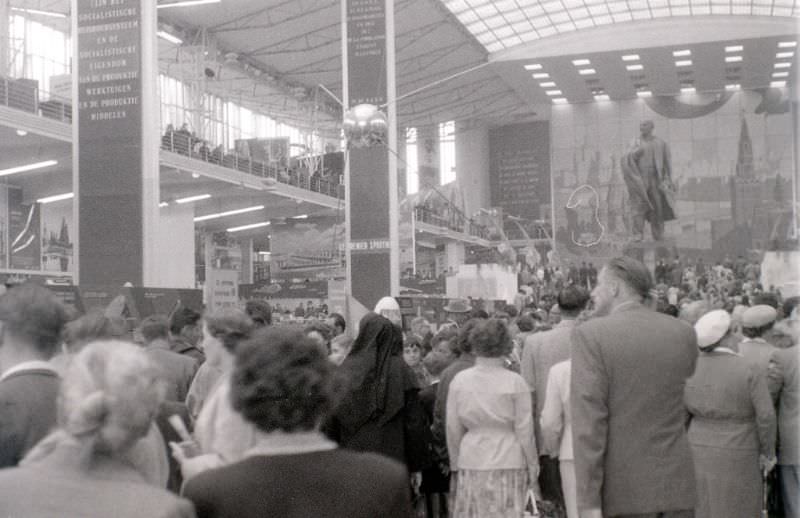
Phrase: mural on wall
(732, 165)
(57, 247)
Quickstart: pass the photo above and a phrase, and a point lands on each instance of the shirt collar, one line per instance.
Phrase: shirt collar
(28, 366)
(624, 306)
(482, 361)
(283, 443)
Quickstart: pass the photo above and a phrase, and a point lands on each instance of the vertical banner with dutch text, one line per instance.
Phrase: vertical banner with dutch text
(369, 179)
(109, 144)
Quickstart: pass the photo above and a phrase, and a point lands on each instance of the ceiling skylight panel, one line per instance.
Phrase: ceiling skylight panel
(547, 31)
(681, 11)
(782, 11)
(617, 7)
(622, 17)
(531, 35)
(641, 14)
(637, 5)
(584, 23)
(701, 8)
(572, 4)
(741, 9)
(485, 37)
(762, 10)
(541, 22)
(514, 15)
(468, 17)
(505, 6)
(565, 27)
(486, 9)
(598, 9)
(495, 22)
(603, 20)
(495, 46)
(579, 13)
(558, 18)
(533, 11)
(661, 12)
(456, 6)
(659, 3)
(522, 27)
(553, 7)
(477, 27)
(720, 9)
(512, 40)
(504, 32)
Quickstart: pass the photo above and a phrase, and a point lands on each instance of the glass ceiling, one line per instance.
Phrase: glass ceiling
(501, 24)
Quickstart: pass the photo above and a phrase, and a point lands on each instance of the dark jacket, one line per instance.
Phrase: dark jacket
(632, 454)
(333, 484)
(27, 412)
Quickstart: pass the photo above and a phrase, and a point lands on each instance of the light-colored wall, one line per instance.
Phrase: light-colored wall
(472, 164)
(175, 243)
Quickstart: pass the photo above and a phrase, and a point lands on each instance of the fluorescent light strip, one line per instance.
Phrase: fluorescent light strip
(56, 197)
(733, 59)
(777, 84)
(644, 93)
(190, 199)
(559, 100)
(787, 44)
(783, 65)
(683, 63)
(634, 67)
(29, 167)
(533, 66)
(601, 97)
(300, 216)
(553, 92)
(229, 213)
(682, 53)
(187, 3)
(734, 48)
(733, 86)
(688, 90)
(782, 55)
(163, 204)
(547, 84)
(249, 227)
(51, 14)
(630, 57)
(586, 71)
(169, 37)
(780, 74)
(541, 75)
(581, 62)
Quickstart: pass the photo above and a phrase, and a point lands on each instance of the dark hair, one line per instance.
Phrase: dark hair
(435, 363)
(282, 380)
(756, 332)
(770, 299)
(526, 323)
(512, 311)
(324, 330)
(154, 327)
(230, 326)
(91, 327)
(573, 299)
(490, 338)
(789, 305)
(33, 314)
(667, 308)
(478, 313)
(462, 343)
(633, 273)
(338, 321)
(181, 318)
(259, 312)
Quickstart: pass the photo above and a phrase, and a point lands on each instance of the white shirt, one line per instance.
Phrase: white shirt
(556, 420)
(489, 423)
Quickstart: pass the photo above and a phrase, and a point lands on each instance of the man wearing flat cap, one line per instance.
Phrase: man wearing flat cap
(756, 322)
(457, 311)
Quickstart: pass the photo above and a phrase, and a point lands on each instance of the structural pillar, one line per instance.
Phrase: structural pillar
(5, 36)
(371, 172)
(116, 142)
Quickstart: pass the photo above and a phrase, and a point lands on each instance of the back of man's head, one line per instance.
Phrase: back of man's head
(34, 317)
(633, 274)
(154, 327)
(183, 317)
(259, 312)
(572, 300)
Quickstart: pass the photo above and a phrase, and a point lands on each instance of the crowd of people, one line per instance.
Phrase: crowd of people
(605, 393)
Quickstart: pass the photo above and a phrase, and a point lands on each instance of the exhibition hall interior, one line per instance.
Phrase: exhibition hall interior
(399, 258)
(510, 126)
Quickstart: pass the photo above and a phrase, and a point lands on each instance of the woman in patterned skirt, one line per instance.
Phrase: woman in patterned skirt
(490, 430)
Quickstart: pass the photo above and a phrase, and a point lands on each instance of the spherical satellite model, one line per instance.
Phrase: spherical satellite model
(365, 125)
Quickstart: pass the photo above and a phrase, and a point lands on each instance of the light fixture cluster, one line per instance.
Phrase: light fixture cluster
(546, 83)
(783, 63)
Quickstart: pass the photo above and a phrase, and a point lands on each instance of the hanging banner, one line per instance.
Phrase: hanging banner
(369, 166)
(109, 144)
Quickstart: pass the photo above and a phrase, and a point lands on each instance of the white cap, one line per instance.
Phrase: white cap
(711, 327)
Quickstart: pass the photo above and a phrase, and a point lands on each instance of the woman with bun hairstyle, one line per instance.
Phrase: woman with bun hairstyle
(221, 435)
(109, 396)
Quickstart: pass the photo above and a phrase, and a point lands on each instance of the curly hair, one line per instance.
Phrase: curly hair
(33, 314)
(282, 380)
(490, 338)
(260, 311)
(230, 326)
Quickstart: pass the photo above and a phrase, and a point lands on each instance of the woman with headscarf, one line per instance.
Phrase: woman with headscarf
(733, 425)
(380, 411)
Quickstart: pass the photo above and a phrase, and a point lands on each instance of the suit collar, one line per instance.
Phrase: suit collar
(628, 305)
(39, 366)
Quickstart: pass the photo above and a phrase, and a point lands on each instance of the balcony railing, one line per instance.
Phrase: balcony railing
(25, 95)
(184, 143)
(453, 221)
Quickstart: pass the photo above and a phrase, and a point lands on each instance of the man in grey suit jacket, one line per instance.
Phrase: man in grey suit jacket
(540, 352)
(784, 383)
(177, 370)
(629, 367)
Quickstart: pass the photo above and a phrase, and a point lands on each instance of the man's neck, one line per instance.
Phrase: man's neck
(624, 303)
(12, 354)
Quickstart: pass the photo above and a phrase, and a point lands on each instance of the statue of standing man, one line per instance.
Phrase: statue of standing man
(647, 172)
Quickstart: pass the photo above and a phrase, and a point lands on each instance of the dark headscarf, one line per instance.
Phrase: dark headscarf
(377, 376)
